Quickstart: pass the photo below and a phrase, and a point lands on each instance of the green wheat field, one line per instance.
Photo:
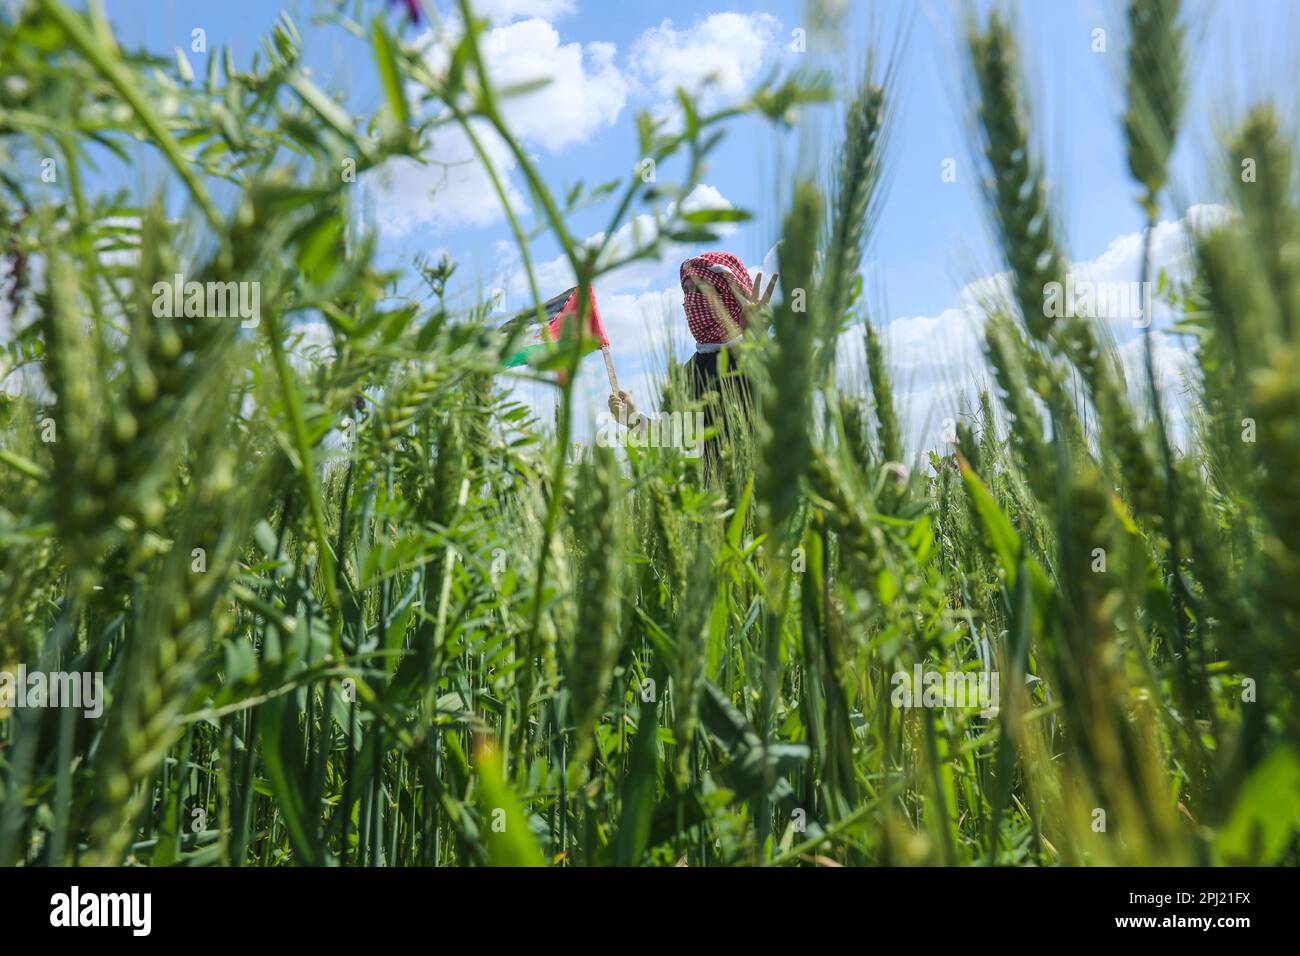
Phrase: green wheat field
(368, 610)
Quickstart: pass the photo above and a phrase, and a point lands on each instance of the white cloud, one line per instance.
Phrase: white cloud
(586, 90)
(1118, 267)
(717, 57)
(937, 363)
(585, 93)
(647, 323)
(1173, 364)
(933, 361)
(452, 187)
(504, 11)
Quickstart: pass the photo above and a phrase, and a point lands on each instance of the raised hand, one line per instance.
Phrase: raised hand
(751, 302)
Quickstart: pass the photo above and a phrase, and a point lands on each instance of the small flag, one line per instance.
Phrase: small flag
(543, 338)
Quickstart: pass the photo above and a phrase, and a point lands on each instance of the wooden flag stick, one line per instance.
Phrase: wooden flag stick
(609, 367)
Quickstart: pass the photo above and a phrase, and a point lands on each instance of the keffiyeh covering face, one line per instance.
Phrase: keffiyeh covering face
(718, 269)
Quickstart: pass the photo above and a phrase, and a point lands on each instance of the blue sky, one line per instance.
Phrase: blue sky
(609, 60)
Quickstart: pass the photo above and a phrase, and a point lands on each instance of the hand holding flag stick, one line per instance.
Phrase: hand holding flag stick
(621, 405)
(609, 367)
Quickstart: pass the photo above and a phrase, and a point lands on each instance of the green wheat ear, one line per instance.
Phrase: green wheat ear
(888, 433)
(179, 623)
(1270, 271)
(1006, 349)
(857, 183)
(1015, 187)
(1017, 195)
(1155, 92)
(854, 427)
(594, 647)
(787, 396)
(400, 410)
(1269, 208)
(689, 657)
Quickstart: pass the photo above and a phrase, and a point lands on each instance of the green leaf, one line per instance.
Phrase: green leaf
(389, 74)
(1267, 812)
(183, 67)
(640, 790)
(283, 758)
(1002, 537)
(329, 111)
(692, 236)
(700, 217)
(505, 827)
(165, 851)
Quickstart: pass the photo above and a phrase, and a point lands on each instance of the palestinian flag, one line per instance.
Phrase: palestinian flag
(544, 338)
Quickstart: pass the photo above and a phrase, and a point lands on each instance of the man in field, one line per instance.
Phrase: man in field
(720, 301)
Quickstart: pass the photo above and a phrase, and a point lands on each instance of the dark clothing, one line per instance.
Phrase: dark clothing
(720, 391)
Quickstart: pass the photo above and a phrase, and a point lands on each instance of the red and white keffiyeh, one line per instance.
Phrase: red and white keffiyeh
(719, 269)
